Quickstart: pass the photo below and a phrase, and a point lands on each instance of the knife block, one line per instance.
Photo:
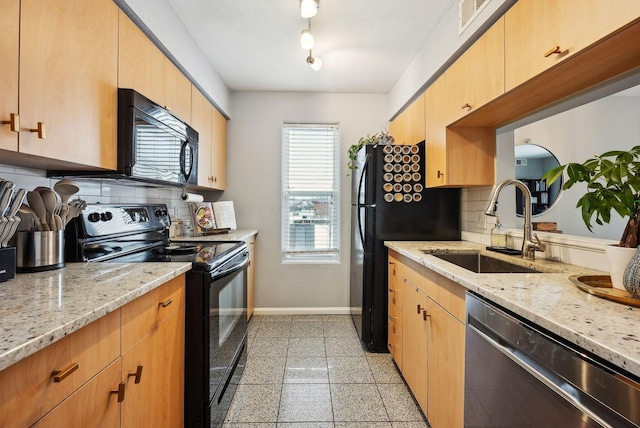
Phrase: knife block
(7, 263)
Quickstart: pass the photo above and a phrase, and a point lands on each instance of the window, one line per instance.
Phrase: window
(310, 192)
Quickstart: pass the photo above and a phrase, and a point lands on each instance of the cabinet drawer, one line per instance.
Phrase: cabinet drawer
(145, 313)
(28, 388)
(394, 341)
(92, 405)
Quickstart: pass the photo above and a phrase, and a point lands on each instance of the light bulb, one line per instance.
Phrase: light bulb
(314, 63)
(306, 40)
(308, 8)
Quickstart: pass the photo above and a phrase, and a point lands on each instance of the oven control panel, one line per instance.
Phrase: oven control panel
(107, 219)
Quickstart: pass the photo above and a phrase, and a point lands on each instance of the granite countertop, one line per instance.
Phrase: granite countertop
(232, 235)
(37, 309)
(607, 329)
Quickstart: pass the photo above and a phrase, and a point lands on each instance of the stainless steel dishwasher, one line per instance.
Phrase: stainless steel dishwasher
(519, 375)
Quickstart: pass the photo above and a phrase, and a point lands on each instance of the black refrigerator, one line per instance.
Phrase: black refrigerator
(390, 203)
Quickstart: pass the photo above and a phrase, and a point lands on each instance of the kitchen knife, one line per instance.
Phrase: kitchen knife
(6, 190)
(11, 215)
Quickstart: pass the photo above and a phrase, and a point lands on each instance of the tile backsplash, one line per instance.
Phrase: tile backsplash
(108, 190)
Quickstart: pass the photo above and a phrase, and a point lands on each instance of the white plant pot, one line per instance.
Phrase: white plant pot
(618, 258)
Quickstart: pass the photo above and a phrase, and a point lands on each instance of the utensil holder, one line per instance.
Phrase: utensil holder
(7, 263)
(39, 251)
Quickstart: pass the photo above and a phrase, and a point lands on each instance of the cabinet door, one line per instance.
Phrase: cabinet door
(143, 67)
(535, 28)
(437, 118)
(219, 151)
(157, 399)
(9, 28)
(93, 405)
(201, 122)
(408, 126)
(68, 80)
(394, 334)
(414, 342)
(477, 77)
(29, 389)
(446, 368)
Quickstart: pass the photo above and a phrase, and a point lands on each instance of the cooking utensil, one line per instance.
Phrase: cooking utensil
(6, 190)
(50, 201)
(37, 204)
(75, 208)
(26, 209)
(66, 188)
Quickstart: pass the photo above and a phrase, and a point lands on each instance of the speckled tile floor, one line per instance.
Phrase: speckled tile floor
(311, 371)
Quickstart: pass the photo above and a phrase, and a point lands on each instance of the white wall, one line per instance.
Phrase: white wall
(254, 177)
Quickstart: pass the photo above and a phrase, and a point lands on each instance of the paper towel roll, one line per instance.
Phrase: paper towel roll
(192, 197)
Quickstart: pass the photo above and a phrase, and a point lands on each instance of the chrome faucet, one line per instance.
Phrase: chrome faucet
(530, 244)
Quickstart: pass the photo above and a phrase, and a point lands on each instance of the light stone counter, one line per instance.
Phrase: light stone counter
(608, 329)
(232, 235)
(38, 309)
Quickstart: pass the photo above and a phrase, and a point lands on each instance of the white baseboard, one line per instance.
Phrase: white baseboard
(302, 311)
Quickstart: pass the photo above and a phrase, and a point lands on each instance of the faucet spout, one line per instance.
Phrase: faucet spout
(530, 244)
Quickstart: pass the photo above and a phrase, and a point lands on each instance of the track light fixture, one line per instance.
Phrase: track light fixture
(306, 39)
(314, 63)
(309, 8)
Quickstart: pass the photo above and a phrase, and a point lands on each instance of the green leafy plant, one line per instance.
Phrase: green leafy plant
(613, 183)
(382, 137)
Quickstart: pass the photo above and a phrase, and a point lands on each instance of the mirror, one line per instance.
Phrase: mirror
(531, 161)
(607, 118)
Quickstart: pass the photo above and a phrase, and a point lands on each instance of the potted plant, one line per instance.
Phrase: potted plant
(613, 183)
(381, 137)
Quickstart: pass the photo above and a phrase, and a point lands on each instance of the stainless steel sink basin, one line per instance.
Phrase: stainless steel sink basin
(480, 263)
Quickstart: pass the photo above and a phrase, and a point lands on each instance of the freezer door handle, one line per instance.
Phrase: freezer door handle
(362, 175)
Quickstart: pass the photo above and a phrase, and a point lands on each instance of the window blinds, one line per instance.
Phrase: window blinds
(310, 192)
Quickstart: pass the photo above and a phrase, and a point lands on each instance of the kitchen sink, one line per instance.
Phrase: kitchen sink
(480, 263)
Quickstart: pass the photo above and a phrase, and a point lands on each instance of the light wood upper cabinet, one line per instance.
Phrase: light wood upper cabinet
(456, 157)
(9, 44)
(477, 77)
(68, 80)
(143, 67)
(219, 151)
(436, 120)
(201, 121)
(408, 126)
(535, 28)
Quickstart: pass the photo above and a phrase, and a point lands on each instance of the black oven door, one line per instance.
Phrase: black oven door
(215, 341)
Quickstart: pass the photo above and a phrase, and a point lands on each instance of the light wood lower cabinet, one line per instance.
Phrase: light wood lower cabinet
(93, 405)
(433, 340)
(394, 343)
(445, 359)
(29, 389)
(414, 342)
(75, 381)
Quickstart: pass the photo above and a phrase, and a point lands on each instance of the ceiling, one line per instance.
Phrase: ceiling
(365, 45)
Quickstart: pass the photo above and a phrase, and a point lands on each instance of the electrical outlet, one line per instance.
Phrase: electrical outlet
(481, 220)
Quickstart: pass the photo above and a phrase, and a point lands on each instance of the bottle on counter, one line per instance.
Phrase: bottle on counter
(498, 235)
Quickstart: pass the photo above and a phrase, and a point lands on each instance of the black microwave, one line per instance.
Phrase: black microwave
(153, 144)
